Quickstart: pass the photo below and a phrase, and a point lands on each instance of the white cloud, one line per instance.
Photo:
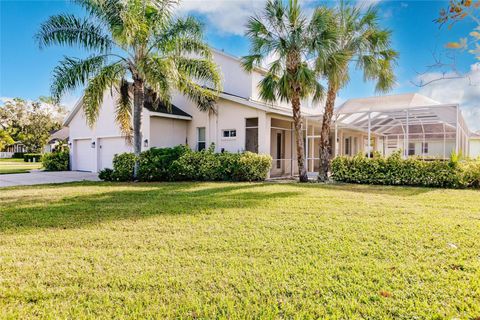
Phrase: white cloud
(223, 16)
(464, 91)
(231, 16)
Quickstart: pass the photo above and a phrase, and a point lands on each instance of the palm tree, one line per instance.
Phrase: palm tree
(132, 41)
(360, 40)
(284, 33)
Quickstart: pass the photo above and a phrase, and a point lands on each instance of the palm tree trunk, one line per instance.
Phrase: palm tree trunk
(138, 99)
(298, 124)
(325, 134)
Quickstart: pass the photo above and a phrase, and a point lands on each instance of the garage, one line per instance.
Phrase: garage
(108, 147)
(84, 155)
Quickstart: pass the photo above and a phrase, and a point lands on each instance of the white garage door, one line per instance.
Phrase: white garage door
(84, 155)
(108, 148)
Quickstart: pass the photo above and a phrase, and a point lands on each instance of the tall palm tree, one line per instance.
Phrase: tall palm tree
(281, 31)
(132, 41)
(361, 41)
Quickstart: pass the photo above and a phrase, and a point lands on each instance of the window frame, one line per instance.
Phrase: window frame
(229, 137)
(201, 141)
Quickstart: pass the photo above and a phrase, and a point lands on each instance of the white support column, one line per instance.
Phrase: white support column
(369, 151)
(335, 151)
(457, 130)
(306, 143)
(291, 149)
(407, 133)
(444, 142)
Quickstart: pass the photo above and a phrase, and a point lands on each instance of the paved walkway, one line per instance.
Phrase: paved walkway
(42, 177)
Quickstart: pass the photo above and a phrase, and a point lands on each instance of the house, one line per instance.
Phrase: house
(10, 150)
(56, 137)
(242, 122)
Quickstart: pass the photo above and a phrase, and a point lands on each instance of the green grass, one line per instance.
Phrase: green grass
(17, 166)
(224, 250)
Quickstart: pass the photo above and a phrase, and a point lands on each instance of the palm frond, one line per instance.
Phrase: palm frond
(123, 111)
(72, 73)
(69, 30)
(268, 88)
(105, 78)
(204, 98)
(204, 71)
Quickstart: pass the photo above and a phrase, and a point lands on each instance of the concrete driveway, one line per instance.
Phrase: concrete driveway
(44, 177)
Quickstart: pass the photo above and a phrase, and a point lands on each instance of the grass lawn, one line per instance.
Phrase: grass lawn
(17, 166)
(223, 250)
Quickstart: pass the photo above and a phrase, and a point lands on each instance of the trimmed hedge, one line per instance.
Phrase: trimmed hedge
(29, 157)
(182, 164)
(18, 155)
(56, 161)
(394, 170)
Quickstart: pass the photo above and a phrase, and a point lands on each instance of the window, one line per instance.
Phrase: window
(425, 147)
(251, 122)
(411, 149)
(347, 146)
(201, 140)
(251, 134)
(229, 133)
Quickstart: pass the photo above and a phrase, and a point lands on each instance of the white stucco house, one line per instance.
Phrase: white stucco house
(241, 121)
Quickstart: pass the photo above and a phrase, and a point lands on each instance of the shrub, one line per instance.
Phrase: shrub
(123, 165)
(197, 165)
(56, 161)
(253, 167)
(18, 155)
(206, 165)
(155, 163)
(394, 170)
(181, 163)
(106, 174)
(30, 157)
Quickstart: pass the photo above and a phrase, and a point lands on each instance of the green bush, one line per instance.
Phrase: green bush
(253, 167)
(18, 155)
(155, 163)
(394, 170)
(182, 164)
(56, 161)
(30, 157)
(123, 165)
(206, 165)
(106, 174)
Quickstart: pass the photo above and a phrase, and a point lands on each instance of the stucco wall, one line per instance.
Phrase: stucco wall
(229, 115)
(165, 132)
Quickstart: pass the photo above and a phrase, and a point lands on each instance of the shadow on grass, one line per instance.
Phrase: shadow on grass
(396, 191)
(132, 201)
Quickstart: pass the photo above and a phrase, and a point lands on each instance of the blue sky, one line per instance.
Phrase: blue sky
(25, 71)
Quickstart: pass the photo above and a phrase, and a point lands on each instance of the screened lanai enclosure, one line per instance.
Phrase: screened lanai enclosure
(411, 124)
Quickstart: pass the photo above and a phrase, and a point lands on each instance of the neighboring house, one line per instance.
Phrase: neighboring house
(242, 122)
(8, 151)
(55, 138)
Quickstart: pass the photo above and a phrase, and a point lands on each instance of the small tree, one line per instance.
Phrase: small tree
(282, 31)
(135, 40)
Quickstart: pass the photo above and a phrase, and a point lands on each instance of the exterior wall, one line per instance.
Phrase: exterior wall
(235, 80)
(474, 148)
(166, 132)
(228, 116)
